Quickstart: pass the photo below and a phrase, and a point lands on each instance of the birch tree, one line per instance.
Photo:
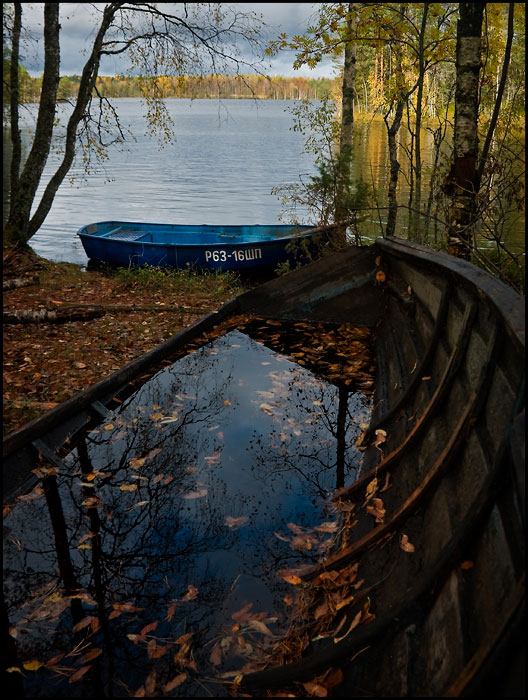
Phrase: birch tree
(163, 39)
(463, 180)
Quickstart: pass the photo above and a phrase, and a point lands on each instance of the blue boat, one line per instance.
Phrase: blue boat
(202, 247)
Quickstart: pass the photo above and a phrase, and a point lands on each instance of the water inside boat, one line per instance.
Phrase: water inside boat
(158, 558)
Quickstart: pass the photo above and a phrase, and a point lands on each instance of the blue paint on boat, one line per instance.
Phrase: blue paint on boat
(203, 247)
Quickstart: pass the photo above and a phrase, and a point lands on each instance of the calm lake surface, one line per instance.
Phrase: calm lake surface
(225, 161)
(180, 515)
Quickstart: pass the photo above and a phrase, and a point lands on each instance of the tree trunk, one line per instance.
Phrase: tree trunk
(339, 238)
(349, 85)
(21, 226)
(14, 97)
(416, 222)
(392, 131)
(24, 188)
(463, 181)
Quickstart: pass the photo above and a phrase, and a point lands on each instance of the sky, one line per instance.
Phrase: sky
(77, 31)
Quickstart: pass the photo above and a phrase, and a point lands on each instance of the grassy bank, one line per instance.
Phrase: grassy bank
(46, 363)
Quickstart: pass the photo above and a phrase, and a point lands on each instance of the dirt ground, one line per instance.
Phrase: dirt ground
(45, 362)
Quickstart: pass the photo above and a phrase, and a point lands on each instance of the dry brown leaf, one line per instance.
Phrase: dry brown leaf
(260, 627)
(315, 690)
(192, 592)
(405, 544)
(216, 655)
(371, 489)
(174, 683)
(150, 684)
(79, 673)
(377, 510)
(92, 654)
(154, 650)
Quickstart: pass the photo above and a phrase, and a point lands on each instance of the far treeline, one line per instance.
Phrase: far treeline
(191, 87)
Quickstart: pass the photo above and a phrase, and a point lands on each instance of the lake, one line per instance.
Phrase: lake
(225, 161)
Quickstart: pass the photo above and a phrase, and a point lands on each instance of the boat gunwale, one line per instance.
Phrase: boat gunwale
(303, 231)
(506, 301)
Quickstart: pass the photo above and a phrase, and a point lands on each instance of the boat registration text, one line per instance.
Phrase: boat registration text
(238, 255)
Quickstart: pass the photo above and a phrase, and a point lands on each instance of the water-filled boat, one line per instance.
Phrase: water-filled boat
(421, 591)
(206, 247)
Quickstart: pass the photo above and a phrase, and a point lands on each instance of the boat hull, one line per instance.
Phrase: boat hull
(441, 568)
(198, 247)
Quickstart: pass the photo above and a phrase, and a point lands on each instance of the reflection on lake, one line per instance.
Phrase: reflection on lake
(170, 521)
(225, 161)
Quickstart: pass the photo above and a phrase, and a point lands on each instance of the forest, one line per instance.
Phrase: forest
(394, 62)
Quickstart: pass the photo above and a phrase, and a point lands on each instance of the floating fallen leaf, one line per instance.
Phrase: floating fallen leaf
(405, 544)
(174, 683)
(37, 492)
(315, 690)
(266, 408)
(327, 527)
(109, 426)
(260, 627)
(128, 487)
(88, 620)
(292, 578)
(148, 628)
(192, 592)
(227, 402)
(195, 494)
(235, 523)
(155, 650)
(91, 502)
(137, 463)
(32, 665)
(79, 673)
(380, 276)
(465, 565)
(92, 654)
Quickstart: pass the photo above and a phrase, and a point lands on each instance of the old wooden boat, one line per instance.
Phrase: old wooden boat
(202, 247)
(422, 589)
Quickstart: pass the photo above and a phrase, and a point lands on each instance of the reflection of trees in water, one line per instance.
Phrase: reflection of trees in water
(317, 425)
(147, 496)
(141, 545)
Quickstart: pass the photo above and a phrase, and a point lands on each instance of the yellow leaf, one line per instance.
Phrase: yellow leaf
(371, 489)
(137, 463)
(109, 426)
(32, 665)
(128, 487)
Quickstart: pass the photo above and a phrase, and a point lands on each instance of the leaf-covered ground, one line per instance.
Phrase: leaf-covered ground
(46, 363)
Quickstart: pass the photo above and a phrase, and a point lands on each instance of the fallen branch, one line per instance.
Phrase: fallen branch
(84, 313)
(17, 282)
(52, 316)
